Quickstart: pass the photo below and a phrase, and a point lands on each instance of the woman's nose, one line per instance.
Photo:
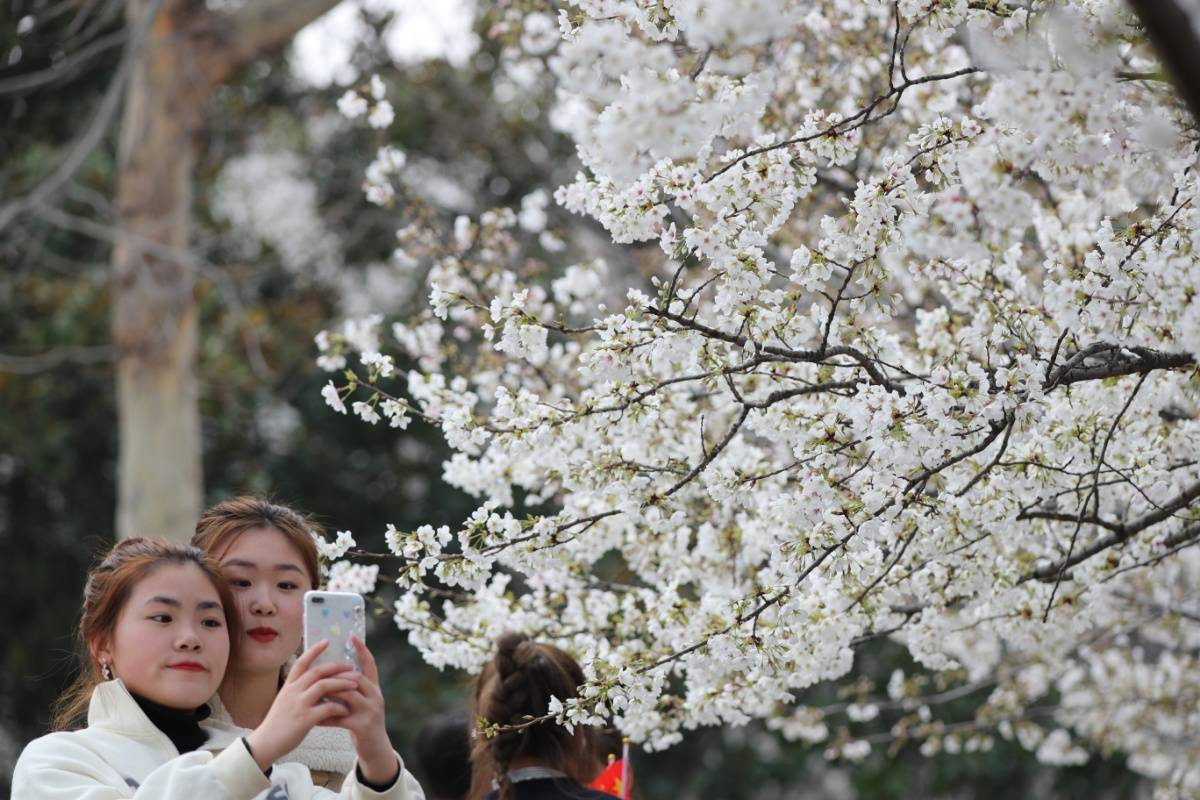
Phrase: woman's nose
(262, 607)
(188, 639)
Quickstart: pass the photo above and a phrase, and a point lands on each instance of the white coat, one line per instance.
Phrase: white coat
(121, 755)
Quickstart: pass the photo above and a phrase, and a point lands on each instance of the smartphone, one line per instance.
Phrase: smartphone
(335, 616)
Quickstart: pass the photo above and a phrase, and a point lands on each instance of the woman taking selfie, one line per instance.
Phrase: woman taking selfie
(155, 637)
(268, 557)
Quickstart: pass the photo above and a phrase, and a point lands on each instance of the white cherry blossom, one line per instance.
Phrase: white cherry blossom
(914, 357)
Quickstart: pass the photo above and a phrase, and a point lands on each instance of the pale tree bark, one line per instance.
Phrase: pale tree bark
(188, 51)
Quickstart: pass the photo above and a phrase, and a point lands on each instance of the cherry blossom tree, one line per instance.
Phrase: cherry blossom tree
(916, 359)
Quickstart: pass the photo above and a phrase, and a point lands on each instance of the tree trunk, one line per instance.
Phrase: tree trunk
(153, 298)
(188, 51)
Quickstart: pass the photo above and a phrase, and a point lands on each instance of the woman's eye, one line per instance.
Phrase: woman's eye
(213, 623)
(239, 583)
(287, 585)
(164, 618)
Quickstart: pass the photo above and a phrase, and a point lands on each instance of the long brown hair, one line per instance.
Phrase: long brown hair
(108, 587)
(220, 526)
(517, 684)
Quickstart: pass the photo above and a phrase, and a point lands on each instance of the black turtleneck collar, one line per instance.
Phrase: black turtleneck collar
(182, 727)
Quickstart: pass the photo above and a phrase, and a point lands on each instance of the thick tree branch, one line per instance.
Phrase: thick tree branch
(257, 29)
(1180, 540)
(1121, 533)
(1181, 537)
(1116, 361)
(1177, 42)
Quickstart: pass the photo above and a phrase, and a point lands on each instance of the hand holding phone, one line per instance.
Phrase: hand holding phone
(335, 616)
(300, 704)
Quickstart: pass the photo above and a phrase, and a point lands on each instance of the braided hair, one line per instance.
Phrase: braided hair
(515, 686)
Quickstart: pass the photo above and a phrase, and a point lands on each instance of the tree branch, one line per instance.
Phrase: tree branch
(257, 29)
(72, 354)
(997, 428)
(1121, 533)
(65, 68)
(1120, 361)
(96, 128)
(787, 354)
(1177, 42)
(851, 123)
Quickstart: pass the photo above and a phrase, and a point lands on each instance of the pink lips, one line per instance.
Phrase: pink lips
(188, 666)
(263, 634)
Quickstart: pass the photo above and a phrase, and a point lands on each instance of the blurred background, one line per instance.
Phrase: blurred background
(279, 244)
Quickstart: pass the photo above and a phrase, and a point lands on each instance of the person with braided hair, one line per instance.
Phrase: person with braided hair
(540, 761)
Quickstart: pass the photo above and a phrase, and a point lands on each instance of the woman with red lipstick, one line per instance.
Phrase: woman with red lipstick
(267, 553)
(157, 629)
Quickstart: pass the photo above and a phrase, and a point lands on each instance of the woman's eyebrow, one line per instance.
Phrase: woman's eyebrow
(171, 601)
(241, 562)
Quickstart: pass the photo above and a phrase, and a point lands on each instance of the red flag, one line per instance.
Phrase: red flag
(609, 781)
(617, 777)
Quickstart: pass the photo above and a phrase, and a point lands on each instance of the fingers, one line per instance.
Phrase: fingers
(369, 667)
(306, 659)
(366, 689)
(362, 694)
(352, 706)
(321, 672)
(364, 704)
(319, 704)
(328, 713)
(328, 687)
(298, 706)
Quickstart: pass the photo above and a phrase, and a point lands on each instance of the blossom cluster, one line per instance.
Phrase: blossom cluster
(917, 360)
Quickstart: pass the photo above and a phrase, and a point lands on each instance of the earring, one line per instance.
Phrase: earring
(105, 671)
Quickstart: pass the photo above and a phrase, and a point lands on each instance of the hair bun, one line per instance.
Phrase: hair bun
(528, 655)
(125, 549)
(513, 691)
(131, 541)
(512, 652)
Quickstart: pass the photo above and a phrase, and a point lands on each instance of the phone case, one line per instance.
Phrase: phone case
(334, 616)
